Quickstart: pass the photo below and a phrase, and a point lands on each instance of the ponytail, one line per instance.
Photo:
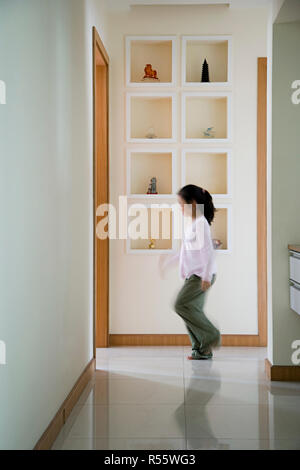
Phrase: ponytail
(192, 193)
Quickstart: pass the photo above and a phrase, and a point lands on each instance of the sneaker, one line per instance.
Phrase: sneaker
(200, 355)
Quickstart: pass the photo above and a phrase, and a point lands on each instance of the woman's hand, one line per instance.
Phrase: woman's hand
(205, 285)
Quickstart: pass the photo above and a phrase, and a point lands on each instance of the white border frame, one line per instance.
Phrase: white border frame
(229, 227)
(204, 94)
(173, 152)
(209, 150)
(209, 85)
(128, 41)
(131, 251)
(173, 97)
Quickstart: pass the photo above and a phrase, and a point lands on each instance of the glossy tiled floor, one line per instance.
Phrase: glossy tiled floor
(154, 398)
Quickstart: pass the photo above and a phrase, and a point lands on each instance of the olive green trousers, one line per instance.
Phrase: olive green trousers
(189, 306)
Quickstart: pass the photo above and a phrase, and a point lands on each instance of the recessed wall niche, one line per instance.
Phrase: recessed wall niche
(206, 117)
(207, 168)
(216, 50)
(159, 237)
(151, 117)
(221, 227)
(159, 52)
(144, 165)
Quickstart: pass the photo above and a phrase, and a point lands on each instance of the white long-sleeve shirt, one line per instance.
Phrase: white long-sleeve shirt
(197, 254)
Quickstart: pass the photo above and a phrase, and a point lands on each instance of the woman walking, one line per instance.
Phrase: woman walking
(198, 269)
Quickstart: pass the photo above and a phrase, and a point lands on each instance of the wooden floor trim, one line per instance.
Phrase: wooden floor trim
(282, 373)
(178, 340)
(52, 431)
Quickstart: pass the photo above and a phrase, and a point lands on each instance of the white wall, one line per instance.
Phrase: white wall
(46, 208)
(285, 186)
(140, 301)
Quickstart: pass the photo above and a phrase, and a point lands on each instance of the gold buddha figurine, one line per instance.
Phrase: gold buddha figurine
(151, 245)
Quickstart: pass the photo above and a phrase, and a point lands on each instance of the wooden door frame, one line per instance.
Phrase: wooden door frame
(101, 189)
(262, 266)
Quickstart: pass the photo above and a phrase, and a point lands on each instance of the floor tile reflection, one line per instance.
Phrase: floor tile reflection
(154, 398)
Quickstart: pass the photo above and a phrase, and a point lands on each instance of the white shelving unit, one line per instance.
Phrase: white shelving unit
(203, 110)
(159, 51)
(151, 122)
(145, 163)
(151, 113)
(209, 168)
(217, 50)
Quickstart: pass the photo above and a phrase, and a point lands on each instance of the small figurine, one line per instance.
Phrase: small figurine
(152, 245)
(217, 244)
(209, 133)
(151, 134)
(150, 73)
(152, 189)
(205, 72)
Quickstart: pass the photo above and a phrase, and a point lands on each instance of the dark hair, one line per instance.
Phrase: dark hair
(192, 193)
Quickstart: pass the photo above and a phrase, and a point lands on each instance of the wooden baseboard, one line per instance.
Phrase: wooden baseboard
(52, 431)
(179, 340)
(148, 340)
(282, 373)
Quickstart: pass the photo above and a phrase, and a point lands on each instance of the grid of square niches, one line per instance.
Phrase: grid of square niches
(151, 120)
